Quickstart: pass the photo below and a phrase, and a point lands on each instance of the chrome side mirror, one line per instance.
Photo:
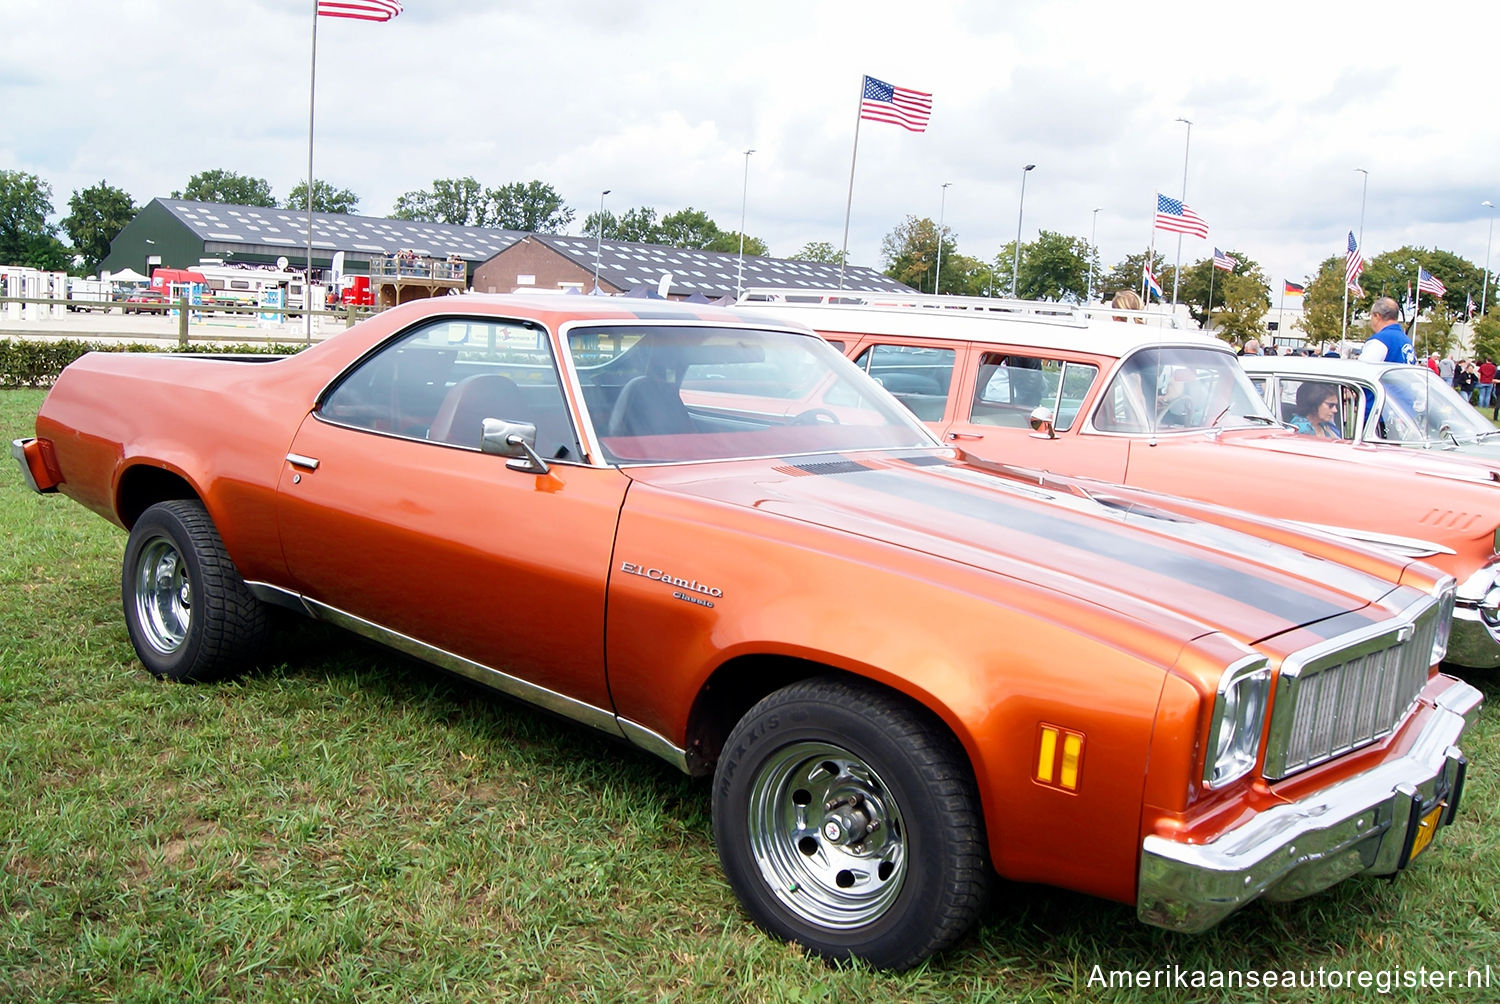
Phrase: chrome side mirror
(1041, 423)
(516, 440)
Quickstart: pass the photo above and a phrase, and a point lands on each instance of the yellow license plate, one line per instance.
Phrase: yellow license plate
(1426, 830)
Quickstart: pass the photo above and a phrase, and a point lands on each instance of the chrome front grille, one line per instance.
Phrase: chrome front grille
(1350, 691)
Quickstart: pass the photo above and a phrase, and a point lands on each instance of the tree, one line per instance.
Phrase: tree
(1055, 267)
(228, 187)
(96, 216)
(1127, 274)
(728, 242)
(1487, 335)
(909, 252)
(1435, 331)
(1391, 273)
(26, 238)
(1242, 316)
(688, 228)
(533, 207)
(818, 251)
(456, 201)
(638, 225)
(1201, 278)
(326, 198)
(1323, 303)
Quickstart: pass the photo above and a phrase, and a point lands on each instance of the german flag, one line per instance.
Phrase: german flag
(1294, 288)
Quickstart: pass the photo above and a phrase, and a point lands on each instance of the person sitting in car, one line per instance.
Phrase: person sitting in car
(1317, 411)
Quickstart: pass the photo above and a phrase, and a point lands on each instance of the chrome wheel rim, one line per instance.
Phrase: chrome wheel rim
(827, 835)
(163, 595)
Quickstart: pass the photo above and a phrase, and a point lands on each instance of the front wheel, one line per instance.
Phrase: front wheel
(847, 820)
(189, 613)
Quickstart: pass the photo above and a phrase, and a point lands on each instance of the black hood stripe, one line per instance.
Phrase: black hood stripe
(1166, 558)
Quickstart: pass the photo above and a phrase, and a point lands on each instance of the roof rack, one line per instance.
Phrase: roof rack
(1072, 314)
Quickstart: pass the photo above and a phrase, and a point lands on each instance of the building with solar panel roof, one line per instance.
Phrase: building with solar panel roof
(179, 233)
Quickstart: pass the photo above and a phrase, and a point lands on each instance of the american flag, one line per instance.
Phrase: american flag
(1224, 261)
(881, 102)
(360, 10)
(1174, 215)
(1354, 264)
(1429, 283)
(1469, 304)
(1153, 288)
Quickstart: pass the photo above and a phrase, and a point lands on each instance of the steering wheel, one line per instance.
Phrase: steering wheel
(1178, 412)
(815, 416)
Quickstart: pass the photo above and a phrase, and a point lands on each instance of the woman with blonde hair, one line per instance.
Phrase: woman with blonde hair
(1127, 299)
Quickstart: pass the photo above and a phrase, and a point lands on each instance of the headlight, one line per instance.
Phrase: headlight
(1239, 715)
(1446, 592)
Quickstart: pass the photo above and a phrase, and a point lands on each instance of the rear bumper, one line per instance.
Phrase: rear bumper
(1366, 823)
(28, 453)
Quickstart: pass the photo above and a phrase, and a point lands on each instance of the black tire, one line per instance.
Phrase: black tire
(190, 615)
(804, 859)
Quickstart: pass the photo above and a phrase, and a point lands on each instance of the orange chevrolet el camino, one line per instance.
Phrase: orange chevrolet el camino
(904, 672)
(1167, 410)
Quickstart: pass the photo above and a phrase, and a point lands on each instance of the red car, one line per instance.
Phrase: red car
(144, 300)
(716, 539)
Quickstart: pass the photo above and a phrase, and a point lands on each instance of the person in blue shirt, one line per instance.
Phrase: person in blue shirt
(1389, 343)
(1317, 411)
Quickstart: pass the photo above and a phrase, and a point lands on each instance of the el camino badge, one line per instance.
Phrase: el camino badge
(688, 590)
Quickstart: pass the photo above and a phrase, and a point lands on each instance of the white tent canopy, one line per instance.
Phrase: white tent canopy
(127, 275)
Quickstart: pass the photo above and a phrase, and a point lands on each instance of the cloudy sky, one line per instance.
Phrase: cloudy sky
(658, 100)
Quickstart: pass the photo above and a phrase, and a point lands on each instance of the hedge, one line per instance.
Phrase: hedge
(37, 364)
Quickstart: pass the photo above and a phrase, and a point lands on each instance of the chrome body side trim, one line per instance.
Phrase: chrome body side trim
(18, 450)
(560, 704)
(505, 683)
(1364, 823)
(653, 742)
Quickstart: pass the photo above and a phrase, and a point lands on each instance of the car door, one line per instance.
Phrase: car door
(993, 403)
(394, 521)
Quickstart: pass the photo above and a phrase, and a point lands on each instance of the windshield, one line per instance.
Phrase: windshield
(680, 393)
(1419, 407)
(1177, 388)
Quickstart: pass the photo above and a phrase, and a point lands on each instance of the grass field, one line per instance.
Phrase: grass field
(346, 825)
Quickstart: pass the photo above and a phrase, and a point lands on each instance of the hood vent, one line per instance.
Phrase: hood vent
(822, 468)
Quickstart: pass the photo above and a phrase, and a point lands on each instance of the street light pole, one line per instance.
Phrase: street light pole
(599, 239)
(739, 271)
(1015, 265)
(1177, 269)
(937, 272)
(1487, 242)
(1094, 230)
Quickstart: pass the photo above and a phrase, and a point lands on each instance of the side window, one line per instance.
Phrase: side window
(916, 376)
(440, 382)
(1009, 387)
(1299, 403)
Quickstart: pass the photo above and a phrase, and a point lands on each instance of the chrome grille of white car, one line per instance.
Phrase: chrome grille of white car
(1351, 690)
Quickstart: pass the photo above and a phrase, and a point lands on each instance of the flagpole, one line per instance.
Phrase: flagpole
(1344, 320)
(1177, 269)
(312, 90)
(1214, 268)
(1281, 312)
(853, 157)
(1150, 252)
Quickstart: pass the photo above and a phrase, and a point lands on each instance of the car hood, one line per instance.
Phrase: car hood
(1142, 562)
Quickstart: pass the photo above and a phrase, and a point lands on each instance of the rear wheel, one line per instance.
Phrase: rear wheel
(847, 820)
(189, 613)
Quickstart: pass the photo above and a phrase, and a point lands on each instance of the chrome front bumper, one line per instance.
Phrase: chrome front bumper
(1366, 823)
(1475, 641)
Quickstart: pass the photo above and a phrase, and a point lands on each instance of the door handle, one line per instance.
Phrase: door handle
(965, 435)
(298, 460)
